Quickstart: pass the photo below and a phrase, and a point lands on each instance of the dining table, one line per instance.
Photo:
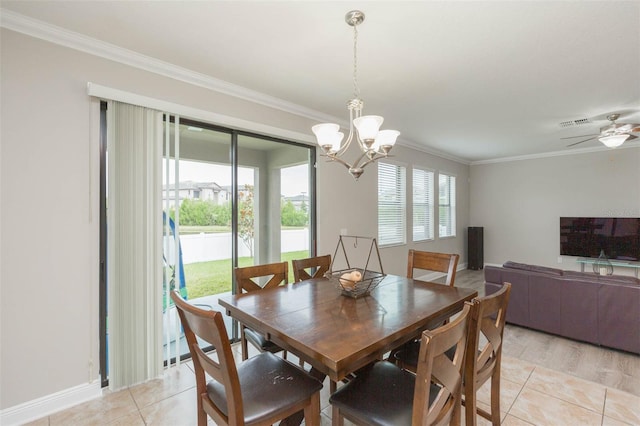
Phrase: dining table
(337, 334)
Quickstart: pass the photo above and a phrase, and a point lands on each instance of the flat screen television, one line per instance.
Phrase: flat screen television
(587, 236)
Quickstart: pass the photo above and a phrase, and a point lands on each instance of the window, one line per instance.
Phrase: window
(391, 204)
(447, 205)
(422, 205)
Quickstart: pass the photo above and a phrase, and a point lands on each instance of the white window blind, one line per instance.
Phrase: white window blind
(134, 224)
(391, 204)
(423, 189)
(447, 205)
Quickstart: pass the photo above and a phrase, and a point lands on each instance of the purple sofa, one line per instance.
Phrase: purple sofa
(580, 305)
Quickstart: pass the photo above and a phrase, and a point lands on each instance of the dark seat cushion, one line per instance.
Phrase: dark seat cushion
(260, 342)
(382, 395)
(269, 384)
(410, 352)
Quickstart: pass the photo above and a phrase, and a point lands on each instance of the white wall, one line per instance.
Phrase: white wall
(352, 205)
(519, 203)
(49, 244)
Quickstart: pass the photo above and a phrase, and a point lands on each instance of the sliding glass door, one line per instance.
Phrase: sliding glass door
(229, 199)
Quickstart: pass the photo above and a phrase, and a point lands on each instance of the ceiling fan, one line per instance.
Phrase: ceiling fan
(612, 135)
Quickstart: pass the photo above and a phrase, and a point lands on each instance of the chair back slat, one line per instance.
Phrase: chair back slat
(435, 365)
(300, 266)
(486, 324)
(245, 276)
(432, 261)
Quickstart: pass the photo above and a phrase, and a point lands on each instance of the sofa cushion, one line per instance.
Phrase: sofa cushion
(590, 276)
(493, 274)
(618, 318)
(620, 279)
(532, 268)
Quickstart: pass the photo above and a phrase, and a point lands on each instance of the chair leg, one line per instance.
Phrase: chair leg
(456, 418)
(312, 411)
(470, 407)
(495, 395)
(243, 345)
(202, 415)
(333, 386)
(336, 417)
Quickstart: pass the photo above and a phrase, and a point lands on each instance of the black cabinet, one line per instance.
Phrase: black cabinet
(475, 254)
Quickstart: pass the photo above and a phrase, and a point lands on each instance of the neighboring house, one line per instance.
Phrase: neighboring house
(206, 191)
(242, 192)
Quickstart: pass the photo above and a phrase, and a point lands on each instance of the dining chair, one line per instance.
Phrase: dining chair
(321, 264)
(432, 261)
(248, 279)
(406, 355)
(385, 394)
(259, 391)
(486, 325)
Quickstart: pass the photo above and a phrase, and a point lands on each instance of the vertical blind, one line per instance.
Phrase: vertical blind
(447, 205)
(423, 188)
(391, 204)
(134, 254)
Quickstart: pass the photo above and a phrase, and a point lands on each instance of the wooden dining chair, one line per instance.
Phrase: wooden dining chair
(432, 261)
(320, 264)
(256, 278)
(385, 394)
(259, 391)
(486, 324)
(406, 356)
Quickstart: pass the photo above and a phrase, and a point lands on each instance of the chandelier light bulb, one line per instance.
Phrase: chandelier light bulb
(368, 126)
(385, 140)
(329, 136)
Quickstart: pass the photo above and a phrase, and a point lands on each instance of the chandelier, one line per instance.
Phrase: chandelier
(365, 129)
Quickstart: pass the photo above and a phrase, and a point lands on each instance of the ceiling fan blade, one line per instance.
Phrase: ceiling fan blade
(581, 136)
(576, 143)
(632, 137)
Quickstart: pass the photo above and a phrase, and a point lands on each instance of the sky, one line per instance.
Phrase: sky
(294, 180)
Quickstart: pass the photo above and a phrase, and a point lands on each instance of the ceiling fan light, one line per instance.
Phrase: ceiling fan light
(614, 140)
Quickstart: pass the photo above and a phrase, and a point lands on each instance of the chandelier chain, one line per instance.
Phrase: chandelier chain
(356, 88)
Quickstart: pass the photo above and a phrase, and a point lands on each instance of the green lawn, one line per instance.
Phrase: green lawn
(206, 278)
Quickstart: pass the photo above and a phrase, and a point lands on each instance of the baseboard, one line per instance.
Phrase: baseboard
(49, 404)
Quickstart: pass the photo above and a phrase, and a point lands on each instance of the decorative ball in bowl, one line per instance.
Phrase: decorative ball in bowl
(355, 282)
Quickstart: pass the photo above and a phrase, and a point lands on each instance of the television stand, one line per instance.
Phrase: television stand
(620, 263)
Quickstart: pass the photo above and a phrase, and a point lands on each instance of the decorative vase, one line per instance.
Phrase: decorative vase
(602, 266)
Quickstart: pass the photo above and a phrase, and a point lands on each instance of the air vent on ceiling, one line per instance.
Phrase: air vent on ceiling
(573, 123)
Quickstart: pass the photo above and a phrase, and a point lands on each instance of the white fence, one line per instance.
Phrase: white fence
(206, 247)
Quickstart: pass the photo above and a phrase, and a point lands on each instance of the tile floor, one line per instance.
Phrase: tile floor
(531, 395)
(546, 380)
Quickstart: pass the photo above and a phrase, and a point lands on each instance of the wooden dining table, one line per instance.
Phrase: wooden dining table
(337, 334)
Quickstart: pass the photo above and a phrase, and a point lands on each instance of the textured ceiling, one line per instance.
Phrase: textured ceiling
(475, 80)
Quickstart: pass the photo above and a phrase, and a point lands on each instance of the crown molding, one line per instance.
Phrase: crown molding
(54, 34)
(552, 154)
(413, 145)
(57, 35)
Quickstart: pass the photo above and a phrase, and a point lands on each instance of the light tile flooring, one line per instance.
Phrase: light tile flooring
(546, 380)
